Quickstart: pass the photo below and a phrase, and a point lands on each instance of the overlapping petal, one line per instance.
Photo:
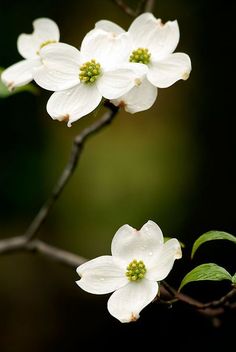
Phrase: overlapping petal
(101, 275)
(114, 83)
(107, 48)
(129, 244)
(126, 303)
(148, 32)
(170, 251)
(174, 67)
(20, 73)
(45, 30)
(60, 67)
(109, 26)
(141, 97)
(72, 104)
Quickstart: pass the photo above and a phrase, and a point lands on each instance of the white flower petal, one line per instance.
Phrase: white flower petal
(109, 26)
(170, 251)
(163, 40)
(129, 244)
(20, 73)
(44, 30)
(174, 67)
(152, 231)
(148, 32)
(115, 83)
(126, 303)
(109, 49)
(139, 98)
(72, 104)
(101, 275)
(60, 69)
(141, 27)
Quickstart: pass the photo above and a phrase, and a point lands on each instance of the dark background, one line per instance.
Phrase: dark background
(174, 164)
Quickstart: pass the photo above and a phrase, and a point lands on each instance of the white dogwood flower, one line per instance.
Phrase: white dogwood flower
(29, 46)
(153, 44)
(139, 260)
(81, 78)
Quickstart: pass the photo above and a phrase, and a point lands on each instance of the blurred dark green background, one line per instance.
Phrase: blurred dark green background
(174, 164)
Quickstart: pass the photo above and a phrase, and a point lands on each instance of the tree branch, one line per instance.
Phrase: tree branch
(21, 244)
(212, 309)
(143, 6)
(54, 253)
(149, 6)
(69, 169)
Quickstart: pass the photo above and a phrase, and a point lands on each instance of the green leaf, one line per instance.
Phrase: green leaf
(208, 271)
(234, 279)
(167, 238)
(210, 236)
(4, 92)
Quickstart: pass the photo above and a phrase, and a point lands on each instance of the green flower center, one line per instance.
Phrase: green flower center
(140, 55)
(136, 270)
(90, 71)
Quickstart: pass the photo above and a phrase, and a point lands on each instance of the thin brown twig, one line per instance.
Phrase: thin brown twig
(27, 241)
(21, 244)
(55, 254)
(69, 169)
(213, 308)
(143, 6)
(149, 6)
(125, 8)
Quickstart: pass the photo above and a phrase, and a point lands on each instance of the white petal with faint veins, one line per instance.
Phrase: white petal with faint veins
(148, 32)
(106, 48)
(20, 73)
(126, 303)
(174, 67)
(45, 30)
(141, 97)
(115, 83)
(60, 69)
(170, 251)
(101, 275)
(109, 26)
(72, 104)
(129, 244)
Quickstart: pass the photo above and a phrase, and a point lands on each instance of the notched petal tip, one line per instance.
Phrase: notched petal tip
(63, 118)
(133, 317)
(10, 86)
(178, 254)
(186, 75)
(121, 104)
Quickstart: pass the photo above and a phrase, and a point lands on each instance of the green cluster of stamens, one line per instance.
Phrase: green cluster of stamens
(90, 71)
(136, 270)
(140, 55)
